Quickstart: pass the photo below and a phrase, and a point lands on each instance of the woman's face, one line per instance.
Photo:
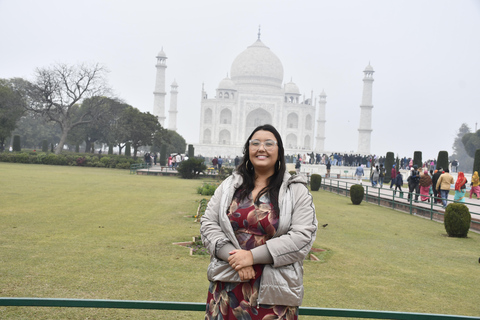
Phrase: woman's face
(263, 156)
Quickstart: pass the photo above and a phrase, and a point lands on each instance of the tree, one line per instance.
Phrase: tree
(12, 106)
(442, 160)
(476, 163)
(174, 142)
(58, 91)
(140, 127)
(389, 162)
(34, 129)
(459, 150)
(471, 142)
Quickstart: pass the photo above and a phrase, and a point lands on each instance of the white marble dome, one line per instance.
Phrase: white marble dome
(257, 65)
(291, 87)
(226, 84)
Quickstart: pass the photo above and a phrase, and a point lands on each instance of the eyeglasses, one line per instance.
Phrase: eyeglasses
(268, 144)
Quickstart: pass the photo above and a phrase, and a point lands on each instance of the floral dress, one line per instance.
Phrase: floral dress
(253, 225)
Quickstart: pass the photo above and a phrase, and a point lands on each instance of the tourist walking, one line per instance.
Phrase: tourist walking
(328, 165)
(393, 175)
(256, 268)
(359, 173)
(375, 176)
(436, 192)
(381, 176)
(413, 185)
(398, 183)
(475, 185)
(443, 184)
(425, 183)
(460, 187)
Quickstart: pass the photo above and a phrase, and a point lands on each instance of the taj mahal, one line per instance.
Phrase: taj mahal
(255, 94)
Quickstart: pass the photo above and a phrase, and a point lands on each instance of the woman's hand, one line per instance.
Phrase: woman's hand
(240, 259)
(246, 273)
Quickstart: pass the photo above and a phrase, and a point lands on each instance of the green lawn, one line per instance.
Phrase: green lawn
(73, 232)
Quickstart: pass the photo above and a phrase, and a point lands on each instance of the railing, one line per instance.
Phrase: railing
(195, 306)
(385, 195)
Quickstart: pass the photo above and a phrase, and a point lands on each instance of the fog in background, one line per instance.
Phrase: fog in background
(426, 57)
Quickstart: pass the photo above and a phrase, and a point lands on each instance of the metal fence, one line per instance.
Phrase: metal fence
(192, 306)
(403, 201)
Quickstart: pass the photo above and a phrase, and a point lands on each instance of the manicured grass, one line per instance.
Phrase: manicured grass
(73, 232)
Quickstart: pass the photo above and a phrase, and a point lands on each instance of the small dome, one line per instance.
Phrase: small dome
(161, 54)
(369, 68)
(291, 88)
(257, 65)
(226, 84)
(174, 83)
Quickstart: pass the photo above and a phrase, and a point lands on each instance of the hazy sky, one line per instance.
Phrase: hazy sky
(426, 57)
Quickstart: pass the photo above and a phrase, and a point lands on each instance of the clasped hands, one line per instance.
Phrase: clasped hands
(242, 262)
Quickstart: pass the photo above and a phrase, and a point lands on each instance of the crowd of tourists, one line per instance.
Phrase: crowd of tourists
(173, 160)
(424, 184)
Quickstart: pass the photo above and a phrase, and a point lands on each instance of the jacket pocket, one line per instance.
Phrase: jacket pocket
(282, 285)
(219, 270)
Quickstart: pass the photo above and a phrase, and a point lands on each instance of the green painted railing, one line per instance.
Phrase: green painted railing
(387, 195)
(195, 306)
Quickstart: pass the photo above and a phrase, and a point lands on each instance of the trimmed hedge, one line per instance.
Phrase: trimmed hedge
(457, 220)
(476, 161)
(389, 161)
(442, 160)
(417, 159)
(356, 193)
(315, 182)
(16, 143)
(69, 159)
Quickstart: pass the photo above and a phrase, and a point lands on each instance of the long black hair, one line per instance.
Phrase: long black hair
(247, 171)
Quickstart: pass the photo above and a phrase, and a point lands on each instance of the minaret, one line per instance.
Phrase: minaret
(320, 138)
(159, 93)
(365, 129)
(172, 112)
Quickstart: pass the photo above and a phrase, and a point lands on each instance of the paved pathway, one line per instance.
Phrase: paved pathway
(385, 192)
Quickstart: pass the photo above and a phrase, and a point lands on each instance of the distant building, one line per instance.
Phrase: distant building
(253, 95)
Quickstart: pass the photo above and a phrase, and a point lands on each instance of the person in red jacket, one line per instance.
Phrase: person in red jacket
(393, 176)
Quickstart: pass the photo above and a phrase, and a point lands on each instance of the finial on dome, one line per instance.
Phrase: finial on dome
(259, 32)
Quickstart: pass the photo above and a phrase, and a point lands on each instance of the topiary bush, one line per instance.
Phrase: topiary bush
(128, 151)
(315, 182)
(476, 161)
(191, 151)
(356, 193)
(163, 155)
(16, 143)
(442, 160)
(417, 159)
(457, 220)
(389, 161)
(191, 168)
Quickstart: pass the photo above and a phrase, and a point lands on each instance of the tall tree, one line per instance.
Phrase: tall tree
(471, 142)
(459, 152)
(140, 127)
(173, 141)
(12, 105)
(58, 91)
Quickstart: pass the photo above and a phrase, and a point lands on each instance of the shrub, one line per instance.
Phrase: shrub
(292, 172)
(191, 168)
(389, 161)
(356, 193)
(315, 182)
(442, 160)
(457, 220)
(191, 151)
(207, 189)
(16, 143)
(476, 161)
(44, 146)
(81, 161)
(417, 159)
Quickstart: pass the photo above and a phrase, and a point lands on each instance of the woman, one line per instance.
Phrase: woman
(258, 227)
(475, 185)
(425, 183)
(398, 183)
(460, 187)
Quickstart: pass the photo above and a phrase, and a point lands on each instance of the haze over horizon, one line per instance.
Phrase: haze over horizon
(425, 55)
